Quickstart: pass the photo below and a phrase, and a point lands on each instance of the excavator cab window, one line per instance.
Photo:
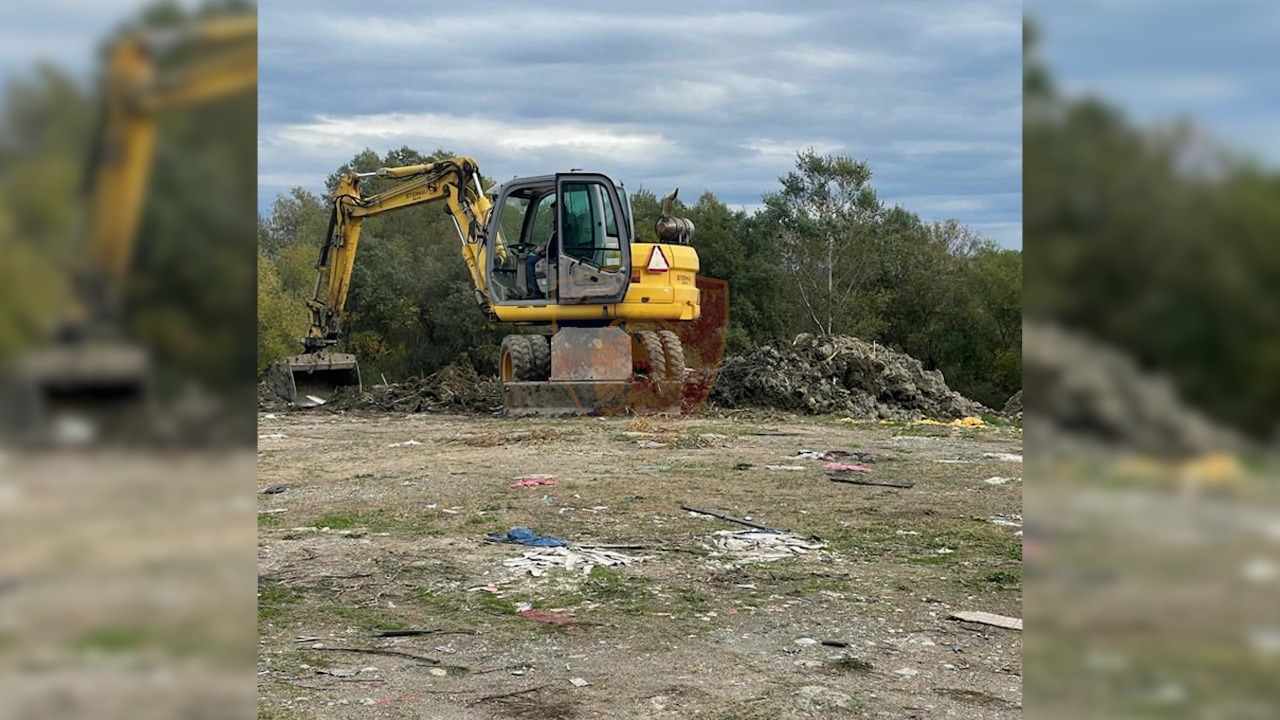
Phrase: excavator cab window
(593, 241)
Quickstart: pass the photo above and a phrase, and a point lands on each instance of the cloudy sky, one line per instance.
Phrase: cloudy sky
(711, 95)
(1160, 59)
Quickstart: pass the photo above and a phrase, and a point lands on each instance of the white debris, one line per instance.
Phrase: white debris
(908, 532)
(998, 480)
(579, 682)
(1007, 520)
(269, 416)
(537, 562)
(406, 443)
(906, 672)
(806, 641)
(760, 546)
(954, 461)
(273, 436)
(1260, 571)
(1007, 457)
(784, 467)
(944, 551)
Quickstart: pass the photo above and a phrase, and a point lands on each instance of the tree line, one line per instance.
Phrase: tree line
(824, 254)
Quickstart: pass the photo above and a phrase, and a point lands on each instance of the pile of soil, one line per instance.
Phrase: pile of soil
(457, 387)
(838, 374)
(1084, 395)
(1013, 407)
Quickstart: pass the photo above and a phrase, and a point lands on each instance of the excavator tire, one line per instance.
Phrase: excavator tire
(673, 353)
(540, 346)
(650, 359)
(518, 362)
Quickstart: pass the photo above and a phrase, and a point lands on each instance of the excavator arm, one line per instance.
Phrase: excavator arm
(312, 377)
(134, 94)
(455, 182)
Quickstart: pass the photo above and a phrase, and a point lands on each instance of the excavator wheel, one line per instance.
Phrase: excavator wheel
(647, 355)
(540, 346)
(519, 361)
(673, 353)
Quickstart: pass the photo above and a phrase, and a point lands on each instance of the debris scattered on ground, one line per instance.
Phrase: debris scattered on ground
(806, 641)
(838, 374)
(406, 443)
(742, 466)
(275, 490)
(845, 467)
(835, 643)
(854, 480)
(757, 546)
(650, 444)
(579, 682)
(998, 480)
(273, 436)
(273, 511)
(986, 618)
(532, 480)
(789, 468)
(455, 387)
(525, 536)
(730, 518)
(1007, 457)
(537, 562)
(968, 421)
(1006, 520)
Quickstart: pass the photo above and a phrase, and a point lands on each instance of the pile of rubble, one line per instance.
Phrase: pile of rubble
(457, 387)
(838, 374)
(1087, 396)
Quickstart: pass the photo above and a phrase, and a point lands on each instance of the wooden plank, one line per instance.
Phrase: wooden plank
(986, 618)
(854, 480)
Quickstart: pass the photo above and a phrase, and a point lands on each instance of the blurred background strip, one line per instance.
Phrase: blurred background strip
(127, 359)
(1152, 360)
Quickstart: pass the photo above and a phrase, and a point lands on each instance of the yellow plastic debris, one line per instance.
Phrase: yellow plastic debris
(1214, 469)
(970, 421)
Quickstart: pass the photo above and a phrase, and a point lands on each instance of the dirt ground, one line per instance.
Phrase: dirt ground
(382, 521)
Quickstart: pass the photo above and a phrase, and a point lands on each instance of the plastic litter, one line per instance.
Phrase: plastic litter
(525, 536)
(532, 480)
(845, 467)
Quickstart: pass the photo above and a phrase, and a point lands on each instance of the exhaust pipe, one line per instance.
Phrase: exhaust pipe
(312, 379)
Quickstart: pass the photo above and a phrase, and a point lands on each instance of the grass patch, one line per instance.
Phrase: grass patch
(275, 599)
(366, 618)
(271, 520)
(851, 665)
(1011, 578)
(631, 595)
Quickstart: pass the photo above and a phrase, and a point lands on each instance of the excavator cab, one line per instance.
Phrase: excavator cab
(579, 226)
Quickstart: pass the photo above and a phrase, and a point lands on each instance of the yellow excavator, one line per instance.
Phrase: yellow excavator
(555, 251)
(91, 379)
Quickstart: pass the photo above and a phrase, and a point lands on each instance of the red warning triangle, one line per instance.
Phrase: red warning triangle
(658, 261)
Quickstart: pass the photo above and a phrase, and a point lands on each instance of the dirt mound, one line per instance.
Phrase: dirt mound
(1086, 395)
(1013, 406)
(838, 374)
(457, 387)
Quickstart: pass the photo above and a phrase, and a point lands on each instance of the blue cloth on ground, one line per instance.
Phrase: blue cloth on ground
(525, 536)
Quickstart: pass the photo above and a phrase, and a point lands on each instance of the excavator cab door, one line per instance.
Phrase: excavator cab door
(593, 232)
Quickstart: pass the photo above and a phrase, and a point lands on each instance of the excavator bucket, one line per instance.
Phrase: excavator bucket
(312, 379)
(79, 393)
